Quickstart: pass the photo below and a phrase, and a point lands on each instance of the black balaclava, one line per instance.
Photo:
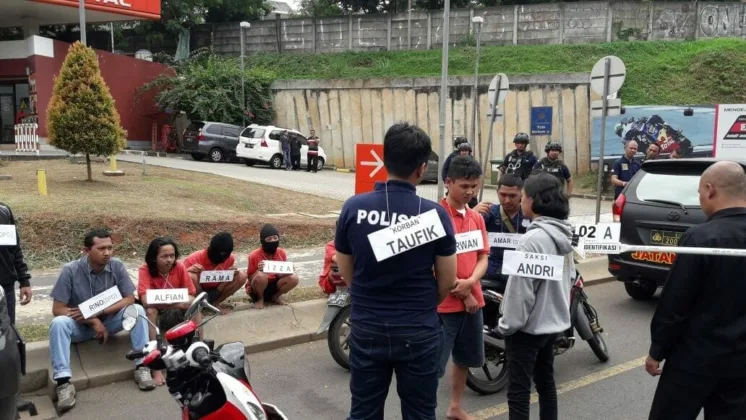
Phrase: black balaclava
(267, 231)
(221, 247)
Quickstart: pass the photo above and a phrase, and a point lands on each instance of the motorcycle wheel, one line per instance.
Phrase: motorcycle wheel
(495, 384)
(338, 347)
(597, 342)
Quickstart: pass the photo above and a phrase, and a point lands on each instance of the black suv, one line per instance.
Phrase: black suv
(215, 140)
(658, 205)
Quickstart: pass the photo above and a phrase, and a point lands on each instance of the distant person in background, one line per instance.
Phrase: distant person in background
(625, 168)
(295, 147)
(13, 267)
(653, 152)
(285, 143)
(465, 149)
(520, 161)
(313, 152)
(676, 154)
(553, 165)
(456, 143)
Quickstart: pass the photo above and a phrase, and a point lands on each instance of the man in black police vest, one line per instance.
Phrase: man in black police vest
(624, 168)
(699, 326)
(396, 292)
(520, 161)
(554, 165)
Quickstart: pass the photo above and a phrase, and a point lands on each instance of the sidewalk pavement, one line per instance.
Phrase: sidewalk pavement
(274, 327)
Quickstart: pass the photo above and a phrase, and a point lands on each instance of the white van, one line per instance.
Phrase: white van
(261, 143)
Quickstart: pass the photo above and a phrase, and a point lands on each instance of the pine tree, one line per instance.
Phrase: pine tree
(81, 117)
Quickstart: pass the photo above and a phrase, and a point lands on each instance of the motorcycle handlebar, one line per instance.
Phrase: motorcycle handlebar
(134, 354)
(202, 356)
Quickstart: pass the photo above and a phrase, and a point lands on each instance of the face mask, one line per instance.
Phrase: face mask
(270, 247)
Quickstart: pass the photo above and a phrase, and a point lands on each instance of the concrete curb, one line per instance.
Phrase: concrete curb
(275, 327)
(143, 153)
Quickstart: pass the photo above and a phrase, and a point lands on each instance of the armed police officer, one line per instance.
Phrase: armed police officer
(398, 253)
(520, 161)
(554, 165)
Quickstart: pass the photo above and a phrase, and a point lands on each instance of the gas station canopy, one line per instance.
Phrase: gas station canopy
(54, 12)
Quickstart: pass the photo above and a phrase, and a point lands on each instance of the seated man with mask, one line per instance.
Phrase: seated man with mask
(267, 283)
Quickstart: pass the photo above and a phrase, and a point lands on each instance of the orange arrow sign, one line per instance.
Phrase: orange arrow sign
(369, 167)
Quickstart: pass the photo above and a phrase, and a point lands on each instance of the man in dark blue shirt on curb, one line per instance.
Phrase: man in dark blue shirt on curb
(398, 253)
(624, 168)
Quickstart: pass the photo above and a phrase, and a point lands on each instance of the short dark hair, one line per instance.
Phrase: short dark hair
(405, 148)
(169, 318)
(548, 195)
(510, 180)
(151, 255)
(655, 144)
(464, 167)
(95, 233)
(220, 248)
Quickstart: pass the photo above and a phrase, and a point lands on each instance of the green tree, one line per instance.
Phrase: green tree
(207, 87)
(81, 117)
(319, 8)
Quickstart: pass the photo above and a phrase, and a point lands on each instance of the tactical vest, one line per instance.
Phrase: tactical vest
(519, 165)
(553, 167)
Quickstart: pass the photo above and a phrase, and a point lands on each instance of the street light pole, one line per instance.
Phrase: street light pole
(81, 16)
(443, 95)
(244, 25)
(478, 20)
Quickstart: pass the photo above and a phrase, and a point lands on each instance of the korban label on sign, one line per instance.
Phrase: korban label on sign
(504, 240)
(469, 241)
(407, 235)
(8, 236)
(100, 302)
(532, 265)
(166, 296)
(278, 267)
(216, 276)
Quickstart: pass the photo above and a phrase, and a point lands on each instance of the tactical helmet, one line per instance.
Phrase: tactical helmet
(459, 140)
(521, 138)
(465, 147)
(553, 145)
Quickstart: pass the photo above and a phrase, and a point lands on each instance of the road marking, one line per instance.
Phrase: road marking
(501, 409)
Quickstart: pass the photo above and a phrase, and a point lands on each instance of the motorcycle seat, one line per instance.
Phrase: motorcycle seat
(492, 285)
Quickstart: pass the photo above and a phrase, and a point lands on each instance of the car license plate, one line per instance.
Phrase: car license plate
(665, 237)
(250, 146)
(337, 299)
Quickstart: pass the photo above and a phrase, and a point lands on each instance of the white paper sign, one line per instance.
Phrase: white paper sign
(216, 276)
(407, 235)
(166, 296)
(278, 267)
(504, 240)
(536, 266)
(100, 302)
(469, 241)
(730, 132)
(603, 238)
(8, 235)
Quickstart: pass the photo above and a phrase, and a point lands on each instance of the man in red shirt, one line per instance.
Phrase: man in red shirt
(461, 311)
(217, 257)
(313, 152)
(162, 270)
(268, 286)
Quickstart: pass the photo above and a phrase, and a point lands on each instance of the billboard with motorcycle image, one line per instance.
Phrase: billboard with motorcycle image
(687, 129)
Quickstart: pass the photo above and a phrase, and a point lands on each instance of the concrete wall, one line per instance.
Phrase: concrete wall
(345, 112)
(552, 23)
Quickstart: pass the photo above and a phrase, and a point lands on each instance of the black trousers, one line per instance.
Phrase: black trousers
(531, 356)
(681, 395)
(295, 160)
(313, 162)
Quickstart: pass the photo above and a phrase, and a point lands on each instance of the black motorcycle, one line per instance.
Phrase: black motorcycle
(584, 320)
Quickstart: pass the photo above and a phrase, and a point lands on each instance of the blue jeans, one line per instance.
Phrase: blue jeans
(377, 351)
(10, 298)
(63, 331)
(286, 158)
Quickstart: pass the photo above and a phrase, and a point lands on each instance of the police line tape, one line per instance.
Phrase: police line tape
(619, 248)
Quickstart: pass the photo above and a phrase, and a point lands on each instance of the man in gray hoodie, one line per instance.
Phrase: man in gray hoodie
(536, 310)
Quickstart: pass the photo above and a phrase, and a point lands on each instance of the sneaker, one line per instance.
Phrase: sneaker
(65, 397)
(143, 379)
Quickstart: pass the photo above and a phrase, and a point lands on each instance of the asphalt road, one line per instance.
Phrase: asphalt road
(306, 384)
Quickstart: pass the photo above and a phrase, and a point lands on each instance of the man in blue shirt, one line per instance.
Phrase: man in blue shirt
(388, 241)
(505, 224)
(624, 168)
